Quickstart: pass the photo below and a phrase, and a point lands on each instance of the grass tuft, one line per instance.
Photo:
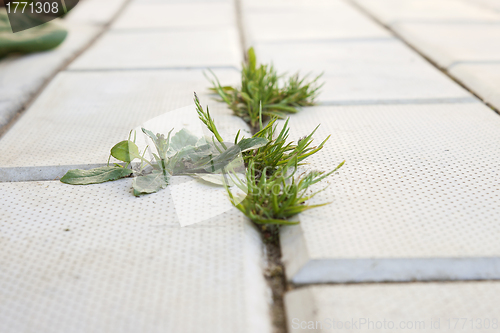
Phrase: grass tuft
(262, 86)
(275, 192)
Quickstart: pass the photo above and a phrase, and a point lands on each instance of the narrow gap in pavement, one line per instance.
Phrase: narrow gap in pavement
(240, 26)
(444, 71)
(63, 67)
(276, 279)
(274, 271)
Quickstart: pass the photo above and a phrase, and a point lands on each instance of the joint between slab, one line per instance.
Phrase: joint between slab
(401, 101)
(180, 68)
(328, 40)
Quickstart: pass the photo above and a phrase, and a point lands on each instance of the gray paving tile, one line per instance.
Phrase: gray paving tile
(392, 11)
(417, 198)
(96, 259)
(217, 47)
(422, 307)
(448, 43)
(312, 20)
(81, 115)
(369, 71)
(483, 79)
(154, 15)
(22, 76)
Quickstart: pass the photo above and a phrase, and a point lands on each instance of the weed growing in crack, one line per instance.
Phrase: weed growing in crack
(262, 86)
(275, 191)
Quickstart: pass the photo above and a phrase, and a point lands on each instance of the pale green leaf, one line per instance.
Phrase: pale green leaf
(252, 143)
(151, 183)
(95, 176)
(125, 151)
(182, 139)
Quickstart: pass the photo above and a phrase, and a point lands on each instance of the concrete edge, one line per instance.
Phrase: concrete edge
(295, 254)
(396, 270)
(40, 173)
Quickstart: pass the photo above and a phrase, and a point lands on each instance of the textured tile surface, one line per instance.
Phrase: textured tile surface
(312, 20)
(422, 307)
(163, 49)
(154, 15)
(449, 43)
(22, 76)
(483, 79)
(62, 129)
(358, 72)
(417, 198)
(96, 259)
(392, 11)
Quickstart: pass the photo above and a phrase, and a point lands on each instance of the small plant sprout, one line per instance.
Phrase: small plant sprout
(262, 86)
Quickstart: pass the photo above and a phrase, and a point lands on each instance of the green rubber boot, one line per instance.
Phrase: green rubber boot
(41, 38)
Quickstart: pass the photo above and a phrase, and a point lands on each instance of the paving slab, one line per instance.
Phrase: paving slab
(392, 11)
(214, 47)
(365, 72)
(490, 4)
(483, 79)
(163, 15)
(96, 259)
(98, 12)
(22, 76)
(81, 115)
(422, 307)
(417, 198)
(312, 20)
(447, 44)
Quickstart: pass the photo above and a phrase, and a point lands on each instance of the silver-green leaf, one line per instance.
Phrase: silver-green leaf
(151, 183)
(95, 176)
(182, 139)
(252, 143)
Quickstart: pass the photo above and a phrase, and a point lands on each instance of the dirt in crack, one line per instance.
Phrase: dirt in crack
(275, 277)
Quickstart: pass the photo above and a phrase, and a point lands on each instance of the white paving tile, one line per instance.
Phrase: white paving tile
(391, 11)
(490, 4)
(99, 12)
(96, 259)
(449, 43)
(422, 307)
(417, 198)
(483, 79)
(81, 115)
(357, 72)
(278, 21)
(149, 15)
(163, 49)
(22, 76)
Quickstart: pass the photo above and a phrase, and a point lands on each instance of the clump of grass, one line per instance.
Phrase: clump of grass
(275, 193)
(273, 199)
(279, 150)
(262, 86)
